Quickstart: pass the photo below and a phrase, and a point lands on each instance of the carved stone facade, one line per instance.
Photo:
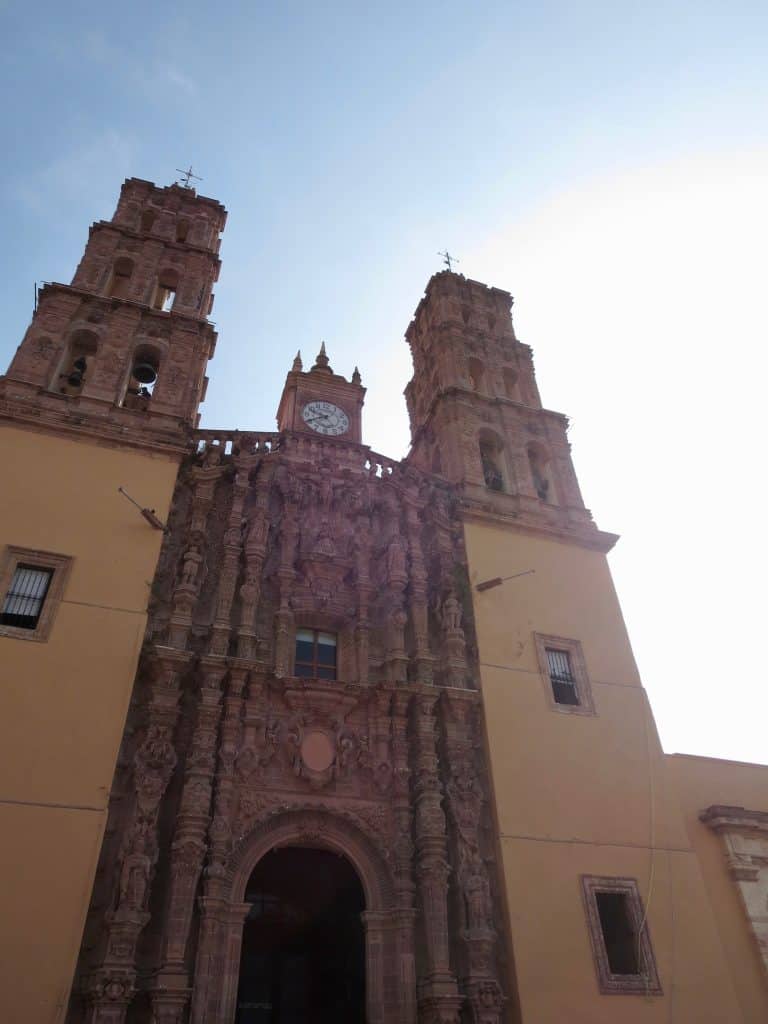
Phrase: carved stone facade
(227, 749)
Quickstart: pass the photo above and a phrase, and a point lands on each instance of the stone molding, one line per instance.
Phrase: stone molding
(744, 834)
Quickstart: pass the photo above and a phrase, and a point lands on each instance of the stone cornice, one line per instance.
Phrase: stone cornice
(128, 432)
(722, 818)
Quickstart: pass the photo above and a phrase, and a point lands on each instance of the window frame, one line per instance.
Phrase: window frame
(316, 631)
(646, 981)
(573, 649)
(59, 567)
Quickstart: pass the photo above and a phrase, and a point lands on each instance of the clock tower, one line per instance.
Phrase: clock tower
(321, 402)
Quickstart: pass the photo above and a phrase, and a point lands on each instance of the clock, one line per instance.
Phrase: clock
(325, 418)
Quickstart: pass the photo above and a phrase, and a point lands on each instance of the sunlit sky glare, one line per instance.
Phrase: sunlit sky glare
(607, 163)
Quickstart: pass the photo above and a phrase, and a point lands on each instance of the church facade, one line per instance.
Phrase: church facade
(320, 734)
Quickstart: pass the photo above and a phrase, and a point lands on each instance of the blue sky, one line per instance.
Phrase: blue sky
(606, 162)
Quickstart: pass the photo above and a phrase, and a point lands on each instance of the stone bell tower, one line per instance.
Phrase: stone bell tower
(124, 347)
(475, 411)
(101, 397)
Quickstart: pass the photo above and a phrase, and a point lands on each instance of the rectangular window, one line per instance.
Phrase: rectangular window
(315, 654)
(561, 676)
(564, 674)
(618, 934)
(24, 598)
(31, 589)
(618, 931)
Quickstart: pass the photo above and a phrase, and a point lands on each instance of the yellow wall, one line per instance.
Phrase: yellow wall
(63, 702)
(580, 794)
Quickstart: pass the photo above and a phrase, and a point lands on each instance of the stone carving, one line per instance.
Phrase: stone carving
(264, 542)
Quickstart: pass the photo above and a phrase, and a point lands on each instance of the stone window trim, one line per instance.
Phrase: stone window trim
(646, 982)
(59, 565)
(586, 705)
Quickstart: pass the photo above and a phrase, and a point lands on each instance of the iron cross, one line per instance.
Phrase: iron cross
(187, 176)
(448, 259)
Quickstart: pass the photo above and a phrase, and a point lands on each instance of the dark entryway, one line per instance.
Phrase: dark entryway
(303, 955)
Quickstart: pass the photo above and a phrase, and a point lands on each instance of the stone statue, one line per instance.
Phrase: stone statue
(192, 562)
(451, 613)
(396, 557)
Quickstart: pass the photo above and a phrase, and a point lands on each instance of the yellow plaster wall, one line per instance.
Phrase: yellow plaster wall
(700, 783)
(63, 702)
(577, 794)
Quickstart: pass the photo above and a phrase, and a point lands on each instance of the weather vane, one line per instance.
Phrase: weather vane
(186, 177)
(448, 259)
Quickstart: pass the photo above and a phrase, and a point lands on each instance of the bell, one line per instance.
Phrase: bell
(80, 365)
(145, 373)
(75, 379)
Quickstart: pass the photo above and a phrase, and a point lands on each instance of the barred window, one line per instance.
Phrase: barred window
(561, 676)
(25, 596)
(31, 589)
(564, 675)
(315, 654)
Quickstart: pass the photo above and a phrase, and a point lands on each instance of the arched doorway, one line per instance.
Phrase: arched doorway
(303, 944)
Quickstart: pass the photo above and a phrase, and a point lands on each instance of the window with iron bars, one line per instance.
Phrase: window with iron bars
(24, 599)
(561, 677)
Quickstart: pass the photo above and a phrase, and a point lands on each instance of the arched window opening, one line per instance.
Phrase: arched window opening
(121, 277)
(76, 363)
(538, 460)
(510, 384)
(148, 219)
(182, 230)
(492, 459)
(165, 293)
(303, 949)
(145, 367)
(476, 374)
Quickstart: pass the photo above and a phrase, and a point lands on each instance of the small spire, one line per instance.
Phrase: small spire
(356, 378)
(321, 363)
(297, 363)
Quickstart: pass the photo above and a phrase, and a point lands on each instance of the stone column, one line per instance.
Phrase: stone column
(362, 566)
(229, 568)
(170, 989)
(439, 1000)
(466, 799)
(255, 552)
(111, 986)
(190, 579)
(375, 923)
(402, 851)
(418, 596)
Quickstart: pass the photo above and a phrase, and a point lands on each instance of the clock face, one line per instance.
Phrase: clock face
(325, 418)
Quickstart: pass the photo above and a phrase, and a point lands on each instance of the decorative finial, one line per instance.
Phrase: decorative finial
(448, 259)
(297, 363)
(186, 177)
(321, 363)
(356, 378)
